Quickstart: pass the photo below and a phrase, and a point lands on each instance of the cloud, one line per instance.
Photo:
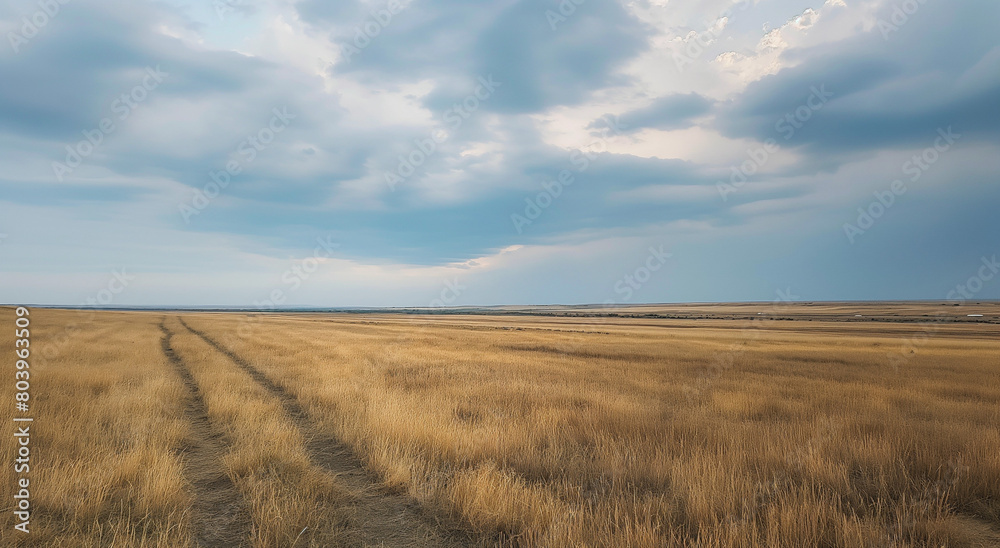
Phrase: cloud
(767, 57)
(666, 113)
(358, 117)
(541, 64)
(892, 92)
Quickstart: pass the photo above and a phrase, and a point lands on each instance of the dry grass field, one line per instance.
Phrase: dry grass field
(227, 429)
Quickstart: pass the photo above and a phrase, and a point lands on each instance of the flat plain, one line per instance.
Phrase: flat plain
(744, 425)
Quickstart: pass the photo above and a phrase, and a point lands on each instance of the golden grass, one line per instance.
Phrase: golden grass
(534, 431)
(104, 466)
(645, 436)
(291, 502)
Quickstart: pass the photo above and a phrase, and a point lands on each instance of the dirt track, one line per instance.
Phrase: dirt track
(219, 513)
(385, 519)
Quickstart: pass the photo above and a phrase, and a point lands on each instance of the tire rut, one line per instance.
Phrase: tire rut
(385, 519)
(219, 513)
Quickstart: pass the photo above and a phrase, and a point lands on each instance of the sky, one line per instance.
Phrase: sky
(450, 153)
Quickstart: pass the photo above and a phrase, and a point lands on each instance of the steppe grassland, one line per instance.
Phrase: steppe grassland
(290, 501)
(639, 436)
(108, 419)
(110, 433)
(546, 432)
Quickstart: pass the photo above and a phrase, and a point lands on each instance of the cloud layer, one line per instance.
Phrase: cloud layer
(534, 151)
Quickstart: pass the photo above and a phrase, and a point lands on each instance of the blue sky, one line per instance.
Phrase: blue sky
(427, 152)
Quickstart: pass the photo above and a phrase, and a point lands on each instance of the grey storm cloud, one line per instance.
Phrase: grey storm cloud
(540, 64)
(83, 61)
(325, 173)
(670, 112)
(888, 90)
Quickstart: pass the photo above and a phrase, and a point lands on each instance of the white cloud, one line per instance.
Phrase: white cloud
(766, 57)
